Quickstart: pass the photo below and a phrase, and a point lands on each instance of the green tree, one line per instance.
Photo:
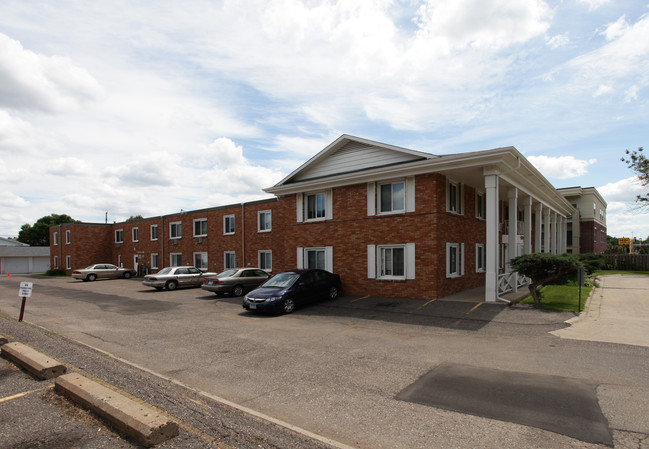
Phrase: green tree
(543, 268)
(638, 162)
(134, 218)
(39, 233)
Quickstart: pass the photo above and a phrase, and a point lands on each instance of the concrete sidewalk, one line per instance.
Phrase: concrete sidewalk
(617, 312)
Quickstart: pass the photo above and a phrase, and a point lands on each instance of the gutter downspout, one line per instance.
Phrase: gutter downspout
(243, 235)
(162, 243)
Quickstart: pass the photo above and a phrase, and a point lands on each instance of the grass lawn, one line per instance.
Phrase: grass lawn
(560, 298)
(603, 272)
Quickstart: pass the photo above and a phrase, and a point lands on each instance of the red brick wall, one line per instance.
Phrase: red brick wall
(591, 237)
(87, 245)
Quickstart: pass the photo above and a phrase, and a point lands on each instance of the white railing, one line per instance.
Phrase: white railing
(523, 281)
(505, 283)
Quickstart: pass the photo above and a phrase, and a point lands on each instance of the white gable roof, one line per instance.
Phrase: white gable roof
(349, 154)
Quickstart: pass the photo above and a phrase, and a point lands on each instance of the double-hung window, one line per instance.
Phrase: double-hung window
(200, 260)
(176, 259)
(229, 260)
(67, 237)
(315, 258)
(265, 260)
(154, 232)
(200, 227)
(264, 221)
(68, 262)
(454, 197)
(392, 197)
(154, 260)
(316, 206)
(480, 258)
(119, 236)
(392, 262)
(55, 237)
(454, 260)
(479, 205)
(228, 225)
(135, 234)
(175, 230)
(56, 261)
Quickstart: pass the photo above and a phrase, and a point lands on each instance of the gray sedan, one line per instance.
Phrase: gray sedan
(173, 277)
(102, 271)
(236, 281)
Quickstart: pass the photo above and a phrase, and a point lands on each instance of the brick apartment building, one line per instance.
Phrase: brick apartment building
(389, 220)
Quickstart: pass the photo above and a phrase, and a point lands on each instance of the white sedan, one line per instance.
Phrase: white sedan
(173, 277)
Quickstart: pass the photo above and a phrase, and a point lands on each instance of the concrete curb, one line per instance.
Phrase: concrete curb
(3, 340)
(37, 363)
(139, 421)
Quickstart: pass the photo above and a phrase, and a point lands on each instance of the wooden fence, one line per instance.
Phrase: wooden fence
(630, 262)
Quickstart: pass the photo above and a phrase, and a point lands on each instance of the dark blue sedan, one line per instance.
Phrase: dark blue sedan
(282, 292)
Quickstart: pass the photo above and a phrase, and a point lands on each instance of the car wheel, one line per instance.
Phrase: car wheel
(288, 306)
(127, 275)
(172, 285)
(333, 293)
(92, 277)
(237, 290)
(158, 288)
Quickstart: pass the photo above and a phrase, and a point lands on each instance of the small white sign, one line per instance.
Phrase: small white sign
(26, 289)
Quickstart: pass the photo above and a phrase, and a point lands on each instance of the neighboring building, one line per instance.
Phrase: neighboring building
(20, 258)
(391, 221)
(587, 226)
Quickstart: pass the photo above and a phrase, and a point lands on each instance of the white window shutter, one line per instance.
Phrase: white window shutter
(410, 194)
(371, 261)
(410, 261)
(329, 259)
(461, 255)
(371, 198)
(329, 205)
(300, 258)
(299, 206)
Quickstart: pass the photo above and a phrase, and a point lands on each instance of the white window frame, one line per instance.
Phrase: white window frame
(175, 230)
(375, 263)
(203, 257)
(154, 260)
(457, 269)
(480, 259)
(67, 237)
(229, 224)
(119, 236)
(382, 256)
(456, 207)
(267, 222)
(316, 251)
(202, 222)
(135, 234)
(480, 203)
(55, 237)
(226, 256)
(302, 257)
(392, 209)
(151, 232)
(68, 262)
(317, 196)
(119, 260)
(265, 260)
(56, 261)
(175, 259)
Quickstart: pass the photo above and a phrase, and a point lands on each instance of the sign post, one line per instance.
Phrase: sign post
(26, 292)
(580, 281)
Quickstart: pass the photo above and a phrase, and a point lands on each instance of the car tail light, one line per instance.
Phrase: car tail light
(76, 272)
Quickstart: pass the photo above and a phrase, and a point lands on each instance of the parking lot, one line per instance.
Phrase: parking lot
(336, 368)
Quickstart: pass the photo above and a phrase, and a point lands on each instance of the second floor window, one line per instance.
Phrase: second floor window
(175, 230)
(200, 227)
(263, 221)
(67, 237)
(392, 197)
(154, 232)
(228, 224)
(316, 206)
(135, 234)
(55, 236)
(119, 236)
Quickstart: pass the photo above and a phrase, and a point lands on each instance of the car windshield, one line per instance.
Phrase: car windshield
(89, 267)
(281, 280)
(165, 270)
(226, 273)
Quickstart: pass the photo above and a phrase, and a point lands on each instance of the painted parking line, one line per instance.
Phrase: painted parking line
(25, 393)
(425, 304)
(362, 297)
(466, 314)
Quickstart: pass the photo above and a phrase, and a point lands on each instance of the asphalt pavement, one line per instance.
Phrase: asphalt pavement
(338, 374)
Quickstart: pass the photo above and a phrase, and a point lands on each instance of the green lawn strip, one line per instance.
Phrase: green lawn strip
(560, 298)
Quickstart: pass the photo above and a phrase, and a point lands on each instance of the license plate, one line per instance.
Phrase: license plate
(253, 306)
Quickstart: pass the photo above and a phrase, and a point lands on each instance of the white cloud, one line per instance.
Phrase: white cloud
(602, 90)
(68, 166)
(559, 40)
(593, 4)
(616, 29)
(9, 199)
(631, 94)
(49, 83)
(561, 167)
(622, 191)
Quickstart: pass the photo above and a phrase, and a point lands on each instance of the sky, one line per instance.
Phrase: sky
(115, 109)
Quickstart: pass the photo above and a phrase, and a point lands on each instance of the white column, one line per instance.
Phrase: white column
(527, 225)
(547, 247)
(538, 223)
(491, 253)
(554, 233)
(563, 230)
(512, 241)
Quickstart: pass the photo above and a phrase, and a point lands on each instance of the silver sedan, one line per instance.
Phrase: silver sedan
(236, 281)
(102, 271)
(173, 277)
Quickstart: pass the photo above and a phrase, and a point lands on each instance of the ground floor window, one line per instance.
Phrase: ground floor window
(454, 259)
(265, 260)
(479, 258)
(56, 261)
(229, 260)
(200, 260)
(68, 262)
(154, 260)
(176, 259)
(318, 257)
(315, 258)
(392, 262)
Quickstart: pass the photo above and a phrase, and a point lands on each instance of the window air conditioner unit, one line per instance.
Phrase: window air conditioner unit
(174, 242)
(117, 245)
(198, 239)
